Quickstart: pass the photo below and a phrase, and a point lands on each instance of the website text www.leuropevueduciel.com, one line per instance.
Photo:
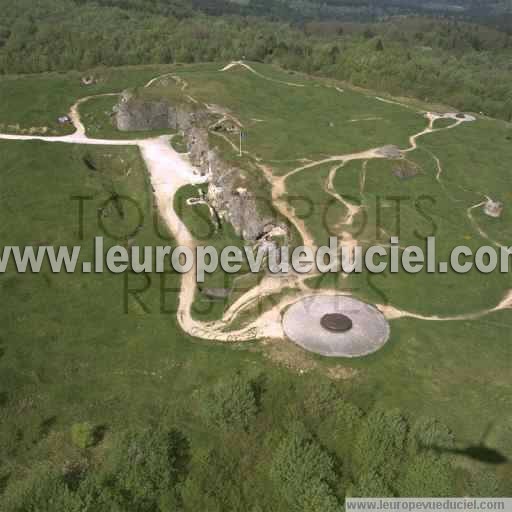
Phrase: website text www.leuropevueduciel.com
(206, 259)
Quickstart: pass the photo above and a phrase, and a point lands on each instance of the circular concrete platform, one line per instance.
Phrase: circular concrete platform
(336, 322)
(304, 322)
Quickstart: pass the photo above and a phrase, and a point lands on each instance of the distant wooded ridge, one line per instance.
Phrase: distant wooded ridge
(436, 59)
(489, 11)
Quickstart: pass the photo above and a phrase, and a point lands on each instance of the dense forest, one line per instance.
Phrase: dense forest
(468, 66)
(487, 11)
(259, 455)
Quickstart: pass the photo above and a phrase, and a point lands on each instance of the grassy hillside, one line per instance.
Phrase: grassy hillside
(436, 59)
(77, 348)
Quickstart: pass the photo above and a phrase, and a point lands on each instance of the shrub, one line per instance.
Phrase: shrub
(144, 468)
(484, 483)
(380, 443)
(370, 485)
(427, 475)
(83, 435)
(213, 484)
(429, 432)
(344, 421)
(304, 473)
(321, 401)
(231, 404)
(44, 490)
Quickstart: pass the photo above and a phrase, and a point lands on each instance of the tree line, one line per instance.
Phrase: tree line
(451, 62)
(247, 457)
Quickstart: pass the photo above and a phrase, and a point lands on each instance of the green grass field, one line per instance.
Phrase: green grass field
(287, 123)
(314, 122)
(38, 100)
(106, 348)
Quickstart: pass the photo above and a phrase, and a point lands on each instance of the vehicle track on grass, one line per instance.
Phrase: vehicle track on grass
(476, 226)
(279, 190)
(169, 171)
(242, 64)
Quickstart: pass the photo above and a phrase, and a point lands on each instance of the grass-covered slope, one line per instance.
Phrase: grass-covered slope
(76, 348)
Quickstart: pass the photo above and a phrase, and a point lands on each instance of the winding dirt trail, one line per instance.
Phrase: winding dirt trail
(241, 63)
(393, 102)
(432, 117)
(279, 190)
(169, 171)
(476, 226)
(393, 313)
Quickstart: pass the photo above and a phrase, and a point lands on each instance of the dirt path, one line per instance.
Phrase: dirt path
(393, 313)
(432, 117)
(279, 190)
(271, 285)
(169, 171)
(393, 102)
(241, 63)
(481, 232)
(362, 119)
(157, 78)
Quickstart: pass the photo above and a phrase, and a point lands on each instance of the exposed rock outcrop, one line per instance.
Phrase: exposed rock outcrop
(133, 113)
(229, 191)
(198, 148)
(389, 151)
(230, 195)
(405, 169)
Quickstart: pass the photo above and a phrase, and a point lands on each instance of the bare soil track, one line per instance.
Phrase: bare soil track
(169, 171)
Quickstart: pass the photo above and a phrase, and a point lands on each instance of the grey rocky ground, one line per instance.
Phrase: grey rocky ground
(230, 193)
